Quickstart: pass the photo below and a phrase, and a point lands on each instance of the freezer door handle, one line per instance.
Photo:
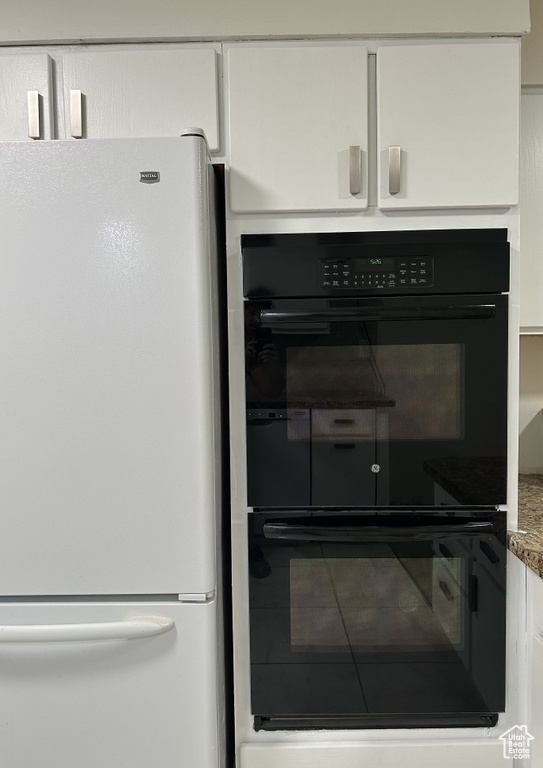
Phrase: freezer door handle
(133, 627)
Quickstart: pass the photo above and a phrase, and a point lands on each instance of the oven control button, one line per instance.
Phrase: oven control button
(326, 284)
(375, 468)
(335, 283)
(413, 281)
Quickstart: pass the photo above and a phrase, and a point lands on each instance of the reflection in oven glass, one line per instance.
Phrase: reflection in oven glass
(419, 386)
(361, 604)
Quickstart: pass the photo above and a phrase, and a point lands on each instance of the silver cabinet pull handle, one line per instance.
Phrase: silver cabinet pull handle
(355, 171)
(394, 169)
(135, 626)
(33, 104)
(76, 114)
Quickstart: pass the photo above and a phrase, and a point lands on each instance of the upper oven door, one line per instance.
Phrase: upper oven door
(389, 402)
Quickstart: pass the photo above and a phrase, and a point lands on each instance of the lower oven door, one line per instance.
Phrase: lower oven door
(377, 619)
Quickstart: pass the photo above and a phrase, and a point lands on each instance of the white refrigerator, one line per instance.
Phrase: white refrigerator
(110, 456)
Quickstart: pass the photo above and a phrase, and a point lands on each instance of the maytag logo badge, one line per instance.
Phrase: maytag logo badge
(149, 177)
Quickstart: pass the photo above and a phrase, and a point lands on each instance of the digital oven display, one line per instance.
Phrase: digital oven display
(361, 265)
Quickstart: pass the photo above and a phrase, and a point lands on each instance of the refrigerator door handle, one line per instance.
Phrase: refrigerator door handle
(133, 627)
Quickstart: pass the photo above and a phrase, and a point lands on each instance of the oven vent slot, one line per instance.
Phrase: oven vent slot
(346, 722)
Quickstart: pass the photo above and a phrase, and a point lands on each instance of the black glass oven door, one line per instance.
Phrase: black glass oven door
(377, 620)
(361, 402)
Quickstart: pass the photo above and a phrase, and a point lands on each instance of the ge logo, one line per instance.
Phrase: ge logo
(375, 468)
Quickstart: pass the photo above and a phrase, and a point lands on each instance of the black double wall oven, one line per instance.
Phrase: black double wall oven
(376, 396)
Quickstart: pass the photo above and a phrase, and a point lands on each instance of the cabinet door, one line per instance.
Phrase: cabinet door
(453, 112)
(142, 93)
(350, 466)
(294, 114)
(536, 596)
(25, 87)
(536, 728)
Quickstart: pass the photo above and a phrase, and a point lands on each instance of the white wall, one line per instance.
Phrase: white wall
(531, 238)
(36, 21)
(531, 404)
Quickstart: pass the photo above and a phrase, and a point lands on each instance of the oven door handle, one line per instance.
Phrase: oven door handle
(270, 317)
(370, 533)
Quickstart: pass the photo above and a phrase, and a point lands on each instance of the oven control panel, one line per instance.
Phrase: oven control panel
(380, 273)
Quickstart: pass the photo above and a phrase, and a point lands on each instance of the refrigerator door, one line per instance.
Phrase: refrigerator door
(109, 455)
(128, 703)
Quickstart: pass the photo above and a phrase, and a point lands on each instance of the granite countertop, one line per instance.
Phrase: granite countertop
(323, 400)
(527, 542)
(469, 480)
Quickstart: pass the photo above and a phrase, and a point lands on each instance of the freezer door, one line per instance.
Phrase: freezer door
(128, 703)
(109, 460)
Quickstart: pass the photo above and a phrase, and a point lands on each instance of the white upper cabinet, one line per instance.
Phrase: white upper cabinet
(298, 128)
(115, 94)
(25, 97)
(448, 116)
